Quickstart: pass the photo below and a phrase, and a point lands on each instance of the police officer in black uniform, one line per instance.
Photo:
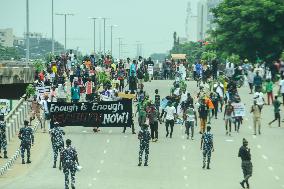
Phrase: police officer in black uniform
(68, 160)
(27, 139)
(57, 141)
(144, 137)
(3, 139)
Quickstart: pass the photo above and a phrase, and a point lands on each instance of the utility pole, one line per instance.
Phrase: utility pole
(111, 38)
(65, 25)
(94, 19)
(52, 26)
(119, 47)
(27, 34)
(104, 19)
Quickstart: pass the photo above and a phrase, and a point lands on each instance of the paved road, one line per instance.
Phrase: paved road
(109, 159)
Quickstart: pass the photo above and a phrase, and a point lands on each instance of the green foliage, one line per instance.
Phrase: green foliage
(208, 56)
(193, 50)
(252, 29)
(282, 55)
(30, 90)
(9, 53)
(234, 59)
(38, 65)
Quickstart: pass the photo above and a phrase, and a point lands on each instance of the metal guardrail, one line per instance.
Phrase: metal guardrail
(14, 120)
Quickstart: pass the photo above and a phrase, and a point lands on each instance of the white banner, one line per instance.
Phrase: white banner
(40, 91)
(240, 109)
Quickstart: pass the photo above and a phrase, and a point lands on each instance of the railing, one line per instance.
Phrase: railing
(14, 120)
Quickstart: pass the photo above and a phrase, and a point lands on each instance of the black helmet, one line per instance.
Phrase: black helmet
(68, 142)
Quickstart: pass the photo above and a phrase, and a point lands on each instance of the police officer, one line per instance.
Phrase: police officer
(3, 140)
(144, 137)
(244, 154)
(68, 160)
(207, 147)
(27, 139)
(57, 141)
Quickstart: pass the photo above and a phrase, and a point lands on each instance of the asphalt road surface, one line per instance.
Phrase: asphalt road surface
(109, 158)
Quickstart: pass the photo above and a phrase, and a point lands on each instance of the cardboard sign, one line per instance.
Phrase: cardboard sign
(240, 110)
(128, 96)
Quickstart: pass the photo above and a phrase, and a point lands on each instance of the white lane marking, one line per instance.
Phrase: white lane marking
(183, 158)
(125, 136)
(89, 184)
(187, 185)
(98, 171)
(183, 147)
(185, 177)
(95, 179)
(102, 161)
(253, 136)
(84, 131)
(250, 127)
(183, 137)
(276, 178)
(229, 140)
(110, 131)
(270, 168)
(108, 141)
(184, 168)
(246, 119)
(105, 151)
(259, 146)
(264, 157)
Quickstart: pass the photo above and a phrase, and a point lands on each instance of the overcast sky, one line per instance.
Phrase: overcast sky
(150, 21)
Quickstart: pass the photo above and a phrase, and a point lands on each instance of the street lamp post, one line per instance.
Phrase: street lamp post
(94, 19)
(65, 23)
(111, 38)
(52, 26)
(27, 34)
(104, 19)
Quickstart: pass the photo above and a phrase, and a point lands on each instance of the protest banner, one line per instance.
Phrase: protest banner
(239, 109)
(96, 114)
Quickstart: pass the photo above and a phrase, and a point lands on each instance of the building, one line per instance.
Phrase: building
(6, 37)
(202, 22)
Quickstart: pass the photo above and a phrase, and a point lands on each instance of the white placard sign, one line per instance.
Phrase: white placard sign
(240, 110)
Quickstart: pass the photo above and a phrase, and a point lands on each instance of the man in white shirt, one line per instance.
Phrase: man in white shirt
(258, 97)
(46, 114)
(170, 113)
(281, 87)
(251, 75)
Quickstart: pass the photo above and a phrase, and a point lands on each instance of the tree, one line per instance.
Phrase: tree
(250, 28)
